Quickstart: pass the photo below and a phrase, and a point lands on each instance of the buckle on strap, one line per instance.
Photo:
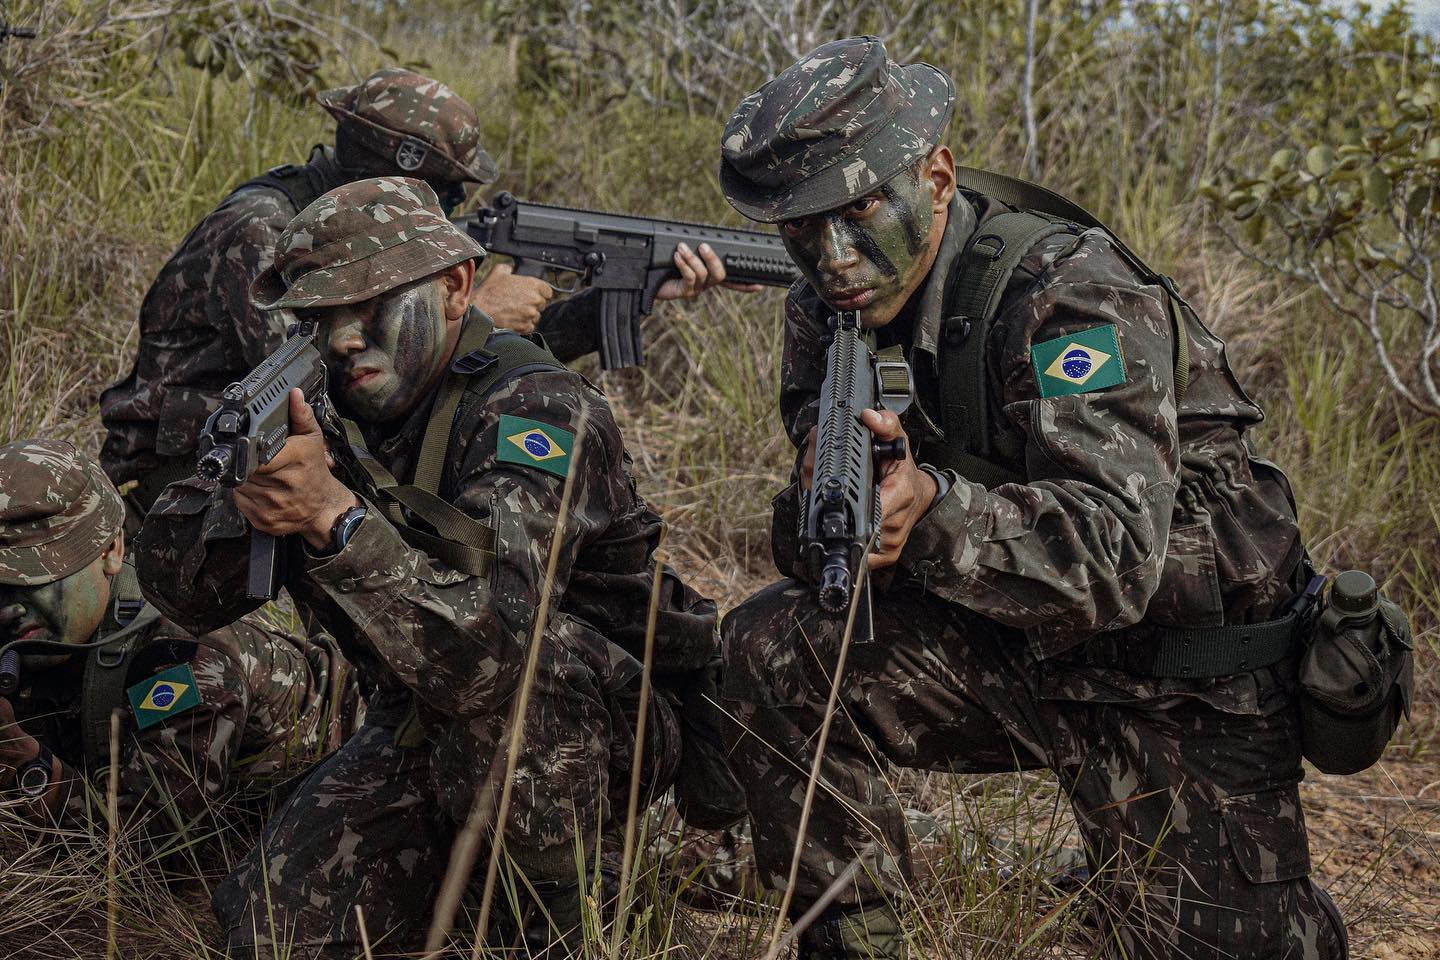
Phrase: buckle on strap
(473, 362)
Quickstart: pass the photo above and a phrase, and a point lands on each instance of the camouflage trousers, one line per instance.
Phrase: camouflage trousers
(1190, 815)
(372, 826)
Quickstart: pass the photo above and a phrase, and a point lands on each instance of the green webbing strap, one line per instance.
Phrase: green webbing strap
(102, 688)
(977, 283)
(1032, 196)
(1197, 653)
(459, 540)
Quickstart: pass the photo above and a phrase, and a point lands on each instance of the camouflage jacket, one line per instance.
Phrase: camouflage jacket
(1132, 511)
(415, 626)
(199, 332)
(268, 703)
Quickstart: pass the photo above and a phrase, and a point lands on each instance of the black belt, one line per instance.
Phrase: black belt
(1197, 652)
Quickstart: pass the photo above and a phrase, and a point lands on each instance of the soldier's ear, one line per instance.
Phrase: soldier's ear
(114, 555)
(940, 168)
(455, 284)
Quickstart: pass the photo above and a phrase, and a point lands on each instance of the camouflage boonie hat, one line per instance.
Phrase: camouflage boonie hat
(420, 124)
(830, 129)
(358, 241)
(58, 511)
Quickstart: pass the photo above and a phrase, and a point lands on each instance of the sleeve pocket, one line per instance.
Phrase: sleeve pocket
(1266, 835)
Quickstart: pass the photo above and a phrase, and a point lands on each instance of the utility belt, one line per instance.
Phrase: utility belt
(1204, 653)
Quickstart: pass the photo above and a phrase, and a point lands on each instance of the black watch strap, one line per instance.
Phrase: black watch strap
(344, 527)
(33, 778)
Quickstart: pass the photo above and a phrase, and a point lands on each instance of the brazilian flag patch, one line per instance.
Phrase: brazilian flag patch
(164, 695)
(535, 444)
(1079, 363)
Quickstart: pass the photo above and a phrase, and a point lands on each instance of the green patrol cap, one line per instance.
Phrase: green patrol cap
(358, 241)
(58, 512)
(420, 125)
(830, 129)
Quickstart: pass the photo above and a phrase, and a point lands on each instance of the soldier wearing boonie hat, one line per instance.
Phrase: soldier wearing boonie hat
(476, 433)
(192, 708)
(1053, 540)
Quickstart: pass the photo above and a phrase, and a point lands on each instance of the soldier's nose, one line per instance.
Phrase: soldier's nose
(11, 614)
(837, 250)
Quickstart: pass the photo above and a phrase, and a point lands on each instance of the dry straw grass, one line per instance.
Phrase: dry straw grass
(105, 162)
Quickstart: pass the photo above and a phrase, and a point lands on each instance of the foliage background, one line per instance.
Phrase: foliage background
(126, 120)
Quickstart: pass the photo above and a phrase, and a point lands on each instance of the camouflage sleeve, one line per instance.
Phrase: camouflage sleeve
(248, 252)
(1080, 547)
(456, 640)
(182, 765)
(571, 326)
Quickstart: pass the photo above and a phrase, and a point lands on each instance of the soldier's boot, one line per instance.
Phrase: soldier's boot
(556, 928)
(1339, 940)
(854, 933)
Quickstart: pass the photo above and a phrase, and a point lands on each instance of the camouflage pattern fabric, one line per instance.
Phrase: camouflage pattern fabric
(390, 231)
(270, 703)
(413, 125)
(57, 511)
(834, 126)
(199, 332)
(451, 643)
(1134, 514)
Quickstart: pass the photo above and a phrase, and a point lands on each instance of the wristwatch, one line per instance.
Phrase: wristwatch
(33, 778)
(344, 527)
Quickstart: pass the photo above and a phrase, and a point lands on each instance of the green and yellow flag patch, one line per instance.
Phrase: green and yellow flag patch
(1082, 362)
(164, 695)
(535, 444)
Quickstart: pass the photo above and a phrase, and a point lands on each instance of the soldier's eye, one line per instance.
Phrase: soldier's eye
(793, 228)
(864, 205)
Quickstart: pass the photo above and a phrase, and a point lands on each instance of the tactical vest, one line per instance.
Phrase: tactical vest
(102, 686)
(976, 285)
(301, 183)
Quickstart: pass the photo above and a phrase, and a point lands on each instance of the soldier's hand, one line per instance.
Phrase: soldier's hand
(513, 302)
(17, 747)
(906, 491)
(296, 492)
(698, 274)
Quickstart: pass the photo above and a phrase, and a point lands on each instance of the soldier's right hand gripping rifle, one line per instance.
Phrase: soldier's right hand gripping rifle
(251, 427)
(842, 508)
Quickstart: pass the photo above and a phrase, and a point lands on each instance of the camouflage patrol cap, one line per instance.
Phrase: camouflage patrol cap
(58, 511)
(419, 124)
(358, 241)
(830, 129)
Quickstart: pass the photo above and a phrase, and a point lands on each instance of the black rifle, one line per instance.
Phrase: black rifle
(23, 33)
(251, 427)
(627, 258)
(842, 508)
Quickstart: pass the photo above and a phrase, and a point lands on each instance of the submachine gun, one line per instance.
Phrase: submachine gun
(251, 427)
(842, 507)
(627, 258)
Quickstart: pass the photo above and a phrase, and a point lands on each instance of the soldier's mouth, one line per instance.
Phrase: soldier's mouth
(854, 299)
(359, 378)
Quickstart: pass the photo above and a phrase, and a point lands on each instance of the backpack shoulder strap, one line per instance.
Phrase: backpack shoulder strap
(102, 688)
(977, 282)
(1032, 196)
(300, 183)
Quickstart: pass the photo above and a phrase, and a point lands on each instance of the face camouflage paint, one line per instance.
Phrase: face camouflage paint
(386, 352)
(68, 610)
(871, 254)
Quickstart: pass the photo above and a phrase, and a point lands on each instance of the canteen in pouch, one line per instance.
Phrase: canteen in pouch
(1356, 677)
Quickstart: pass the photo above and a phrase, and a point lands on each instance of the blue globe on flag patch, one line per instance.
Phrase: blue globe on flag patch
(537, 444)
(162, 695)
(1076, 363)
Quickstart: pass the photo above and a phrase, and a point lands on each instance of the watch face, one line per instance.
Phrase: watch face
(34, 779)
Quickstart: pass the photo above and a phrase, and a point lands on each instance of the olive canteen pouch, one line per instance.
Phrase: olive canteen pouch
(1356, 677)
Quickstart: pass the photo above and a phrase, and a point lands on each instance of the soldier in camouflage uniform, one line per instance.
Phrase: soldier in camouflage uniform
(440, 644)
(199, 331)
(237, 708)
(1015, 621)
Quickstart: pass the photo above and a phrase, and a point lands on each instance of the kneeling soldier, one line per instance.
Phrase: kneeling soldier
(201, 715)
(433, 585)
(1060, 588)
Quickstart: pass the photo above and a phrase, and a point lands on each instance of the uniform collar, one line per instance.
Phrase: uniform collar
(930, 298)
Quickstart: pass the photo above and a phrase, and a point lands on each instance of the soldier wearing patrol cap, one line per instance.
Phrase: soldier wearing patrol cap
(427, 558)
(201, 716)
(198, 329)
(1083, 564)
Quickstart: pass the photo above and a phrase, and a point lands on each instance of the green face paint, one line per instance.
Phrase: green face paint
(871, 254)
(68, 610)
(385, 353)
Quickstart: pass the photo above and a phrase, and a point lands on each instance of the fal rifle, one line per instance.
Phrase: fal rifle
(251, 427)
(626, 258)
(842, 507)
